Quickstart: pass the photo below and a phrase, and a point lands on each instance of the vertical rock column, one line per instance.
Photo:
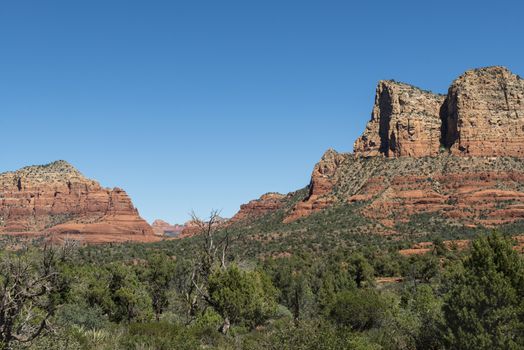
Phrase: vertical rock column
(484, 114)
(405, 122)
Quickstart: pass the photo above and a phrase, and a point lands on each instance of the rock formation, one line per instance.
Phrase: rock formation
(266, 203)
(323, 179)
(466, 190)
(405, 122)
(459, 156)
(57, 200)
(484, 114)
(163, 228)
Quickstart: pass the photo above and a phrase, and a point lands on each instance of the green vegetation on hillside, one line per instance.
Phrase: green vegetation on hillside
(359, 293)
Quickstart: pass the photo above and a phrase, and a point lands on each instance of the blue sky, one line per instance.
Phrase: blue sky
(208, 104)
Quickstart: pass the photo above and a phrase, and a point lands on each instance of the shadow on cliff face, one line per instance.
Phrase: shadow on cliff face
(449, 118)
(385, 105)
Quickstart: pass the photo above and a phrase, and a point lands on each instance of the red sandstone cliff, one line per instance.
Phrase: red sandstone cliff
(460, 156)
(405, 122)
(484, 114)
(57, 200)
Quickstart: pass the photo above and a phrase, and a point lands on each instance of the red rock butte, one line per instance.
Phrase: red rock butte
(57, 201)
(459, 155)
(482, 115)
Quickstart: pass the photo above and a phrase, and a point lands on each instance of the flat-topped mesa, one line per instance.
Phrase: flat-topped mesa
(57, 199)
(405, 122)
(484, 114)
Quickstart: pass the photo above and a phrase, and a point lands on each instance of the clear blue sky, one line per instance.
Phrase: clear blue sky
(208, 104)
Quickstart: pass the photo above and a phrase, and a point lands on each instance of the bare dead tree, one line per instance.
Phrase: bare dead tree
(213, 248)
(26, 289)
(212, 255)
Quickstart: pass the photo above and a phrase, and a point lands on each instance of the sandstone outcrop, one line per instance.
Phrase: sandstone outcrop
(472, 191)
(482, 117)
(323, 179)
(266, 203)
(467, 191)
(459, 156)
(484, 114)
(163, 228)
(405, 122)
(57, 200)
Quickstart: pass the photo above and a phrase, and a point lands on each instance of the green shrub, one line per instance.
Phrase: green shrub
(360, 309)
(83, 316)
(242, 296)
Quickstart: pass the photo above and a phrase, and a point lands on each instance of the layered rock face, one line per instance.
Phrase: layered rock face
(484, 114)
(459, 156)
(405, 122)
(266, 203)
(56, 199)
(447, 154)
(472, 191)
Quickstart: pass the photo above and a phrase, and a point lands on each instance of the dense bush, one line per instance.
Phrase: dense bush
(359, 309)
(242, 296)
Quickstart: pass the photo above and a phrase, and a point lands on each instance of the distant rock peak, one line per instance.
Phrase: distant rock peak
(163, 228)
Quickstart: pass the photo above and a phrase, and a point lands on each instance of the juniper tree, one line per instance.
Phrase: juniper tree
(483, 307)
(30, 287)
